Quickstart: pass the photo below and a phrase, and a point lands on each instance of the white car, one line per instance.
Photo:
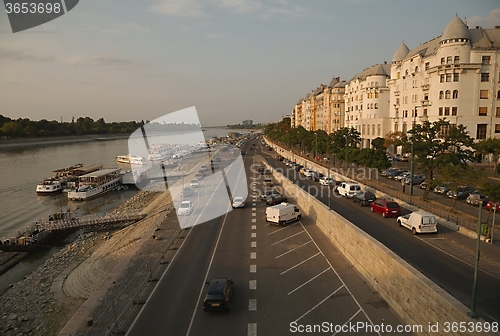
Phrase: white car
(238, 202)
(326, 181)
(348, 189)
(185, 208)
(194, 183)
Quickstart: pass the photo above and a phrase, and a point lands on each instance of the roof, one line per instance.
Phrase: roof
(334, 81)
(400, 53)
(456, 29)
(377, 69)
(216, 286)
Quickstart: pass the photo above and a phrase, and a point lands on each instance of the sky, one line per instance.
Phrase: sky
(233, 60)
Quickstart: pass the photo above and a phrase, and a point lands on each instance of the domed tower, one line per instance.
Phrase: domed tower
(455, 41)
(398, 57)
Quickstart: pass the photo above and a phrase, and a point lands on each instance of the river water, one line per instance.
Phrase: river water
(23, 167)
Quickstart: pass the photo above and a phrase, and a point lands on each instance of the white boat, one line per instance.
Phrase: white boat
(96, 183)
(58, 180)
(131, 159)
(123, 158)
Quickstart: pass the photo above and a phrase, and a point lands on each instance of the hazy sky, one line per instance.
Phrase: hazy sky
(232, 59)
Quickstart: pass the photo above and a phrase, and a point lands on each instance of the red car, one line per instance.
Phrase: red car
(491, 206)
(386, 207)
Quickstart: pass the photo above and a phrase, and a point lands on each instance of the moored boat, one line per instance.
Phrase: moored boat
(96, 183)
(58, 180)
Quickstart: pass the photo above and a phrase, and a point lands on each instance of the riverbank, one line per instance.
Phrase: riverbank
(27, 142)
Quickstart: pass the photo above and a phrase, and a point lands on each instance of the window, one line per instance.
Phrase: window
(497, 128)
(498, 94)
(456, 76)
(444, 131)
(376, 94)
(442, 60)
(454, 111)
(425, 112)
(448, 78)
(378, 129)
(440, 111)
(481, 131)
(363, 132)
(447, 94)
(416, 69)
(498, 112)
(448, 60)
(486, 60)
(427, 65)
(368, 129)
(485, 76)
(441, 94)
(376, 106)
(441, 78)
(373, 129)
(483, 111)
(455, 94)
(446, 111)
(483, 94)
(456, 59)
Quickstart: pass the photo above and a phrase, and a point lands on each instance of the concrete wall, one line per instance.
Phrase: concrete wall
(413, 296)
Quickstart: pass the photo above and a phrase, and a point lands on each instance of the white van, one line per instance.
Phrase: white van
(348, 189)
(419, 222)
(282, 213)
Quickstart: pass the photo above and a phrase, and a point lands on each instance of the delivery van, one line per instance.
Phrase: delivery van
(419, 222)
(282, 214)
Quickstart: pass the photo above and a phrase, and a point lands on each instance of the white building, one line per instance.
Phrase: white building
(455, 76)
(367, 103)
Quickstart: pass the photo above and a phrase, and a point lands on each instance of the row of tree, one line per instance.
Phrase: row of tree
(26, 128)
(439, 148)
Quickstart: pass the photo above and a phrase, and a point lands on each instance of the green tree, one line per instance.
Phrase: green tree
(379, 143)
(339, 141)
(490, 146)
(439, 144)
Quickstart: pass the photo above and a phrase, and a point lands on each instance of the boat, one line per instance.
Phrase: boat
(58, 180)
(123, 158)
(96, 183)
(131, 159)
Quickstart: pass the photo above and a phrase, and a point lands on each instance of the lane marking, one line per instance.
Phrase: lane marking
(253, 255)
(254, 204)
(254, 214)
(252, 304)
(308, 281)
(282, 240)
(254, 220)
(254, 227)
(253, 268)
(316, 306)
(252, 329)
(254, 209)
(252, 284)
(281, 255)
(254, 235)
(300, 263)
(253, 244)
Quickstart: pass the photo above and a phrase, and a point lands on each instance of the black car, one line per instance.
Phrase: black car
(275, 199)
(219, 294)
(267, 193)
(364, 198)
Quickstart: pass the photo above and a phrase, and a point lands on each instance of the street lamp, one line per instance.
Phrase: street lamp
(412, 154)
(316, 150)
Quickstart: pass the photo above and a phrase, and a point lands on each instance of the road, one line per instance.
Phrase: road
(284, 278)
(449, 265)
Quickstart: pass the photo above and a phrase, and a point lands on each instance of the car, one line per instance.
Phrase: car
(386, 207)
(461, 192)
(260, 169)
(326, 181)
(198, 176)
(266, 193)
(476, 198)
(194, 183)
(392, 173)
(423, 185)
(404, 159)
(419, 222)
(401, 176)
(187, 191)
(238, 202)
(317, 176)
(276, 199)
(397, 157)
(203, 168)
(441, 189)
(219, 295)
(417, 179)
(268, 181)
(185, 208)
(348, 189)
(491, 206)
(364, 198)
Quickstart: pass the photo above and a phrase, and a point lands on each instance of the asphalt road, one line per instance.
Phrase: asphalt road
(449, 265)
(284, 278)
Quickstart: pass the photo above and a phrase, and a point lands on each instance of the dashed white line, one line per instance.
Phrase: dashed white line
(254, 214)
(253, 255)
(254, 220)
(252, 284)
(254, 209)
(252, 304)
(252, 329)
(253, 268)
(300, 263)
(254, 234)
(254, 227)
(282, 240)
(253, 244)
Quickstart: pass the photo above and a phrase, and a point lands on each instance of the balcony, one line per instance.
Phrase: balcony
(396, 93)
(426, 103)
(425, 87)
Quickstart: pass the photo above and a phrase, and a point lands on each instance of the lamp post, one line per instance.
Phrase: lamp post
(412, 154)
(316, 149)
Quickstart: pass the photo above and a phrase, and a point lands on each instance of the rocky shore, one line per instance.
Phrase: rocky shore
(43, 302)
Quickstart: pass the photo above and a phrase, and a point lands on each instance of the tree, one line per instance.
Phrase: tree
(393, 139)
(490, 146)
(339, 141)
(379, 143)
(439, 144)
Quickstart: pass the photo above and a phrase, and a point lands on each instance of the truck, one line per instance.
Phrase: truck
(282, 214)
(419, 222)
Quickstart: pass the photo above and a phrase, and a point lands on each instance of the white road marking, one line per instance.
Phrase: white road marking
(253, 268)
(254, 235)
(254, 214)
(254, 209)
(308, 281)
(254, 227)
(300, 263)
(252, 284)
(254, 204)
(252, 304)
(253, 244)
(253, 255)
(316, 306)
(292, 249)
(254, 220)
(349, 320)
(282, 240)
(252, 329)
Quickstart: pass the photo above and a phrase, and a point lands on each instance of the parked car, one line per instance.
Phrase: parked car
(364, 198)
(185, 208)
(441, 189)
(316, 176)
(238, 202)
(198, 176)
(266, 193)
(326, 181)
(404, 159)
(491, 206)
(460, 193)
(186, 191)
(476, 199)
(419, 222)
(194, 183)
(423, 185)
(276, 199)
(401, 176)
(386, 207)
(417, 179)
(390, 174)
(348, 189)
(219, 294)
